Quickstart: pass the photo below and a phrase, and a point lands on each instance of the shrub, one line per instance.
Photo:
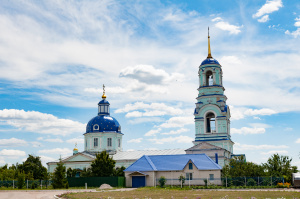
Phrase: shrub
(251, 182)
(181, 178)
(162, 181)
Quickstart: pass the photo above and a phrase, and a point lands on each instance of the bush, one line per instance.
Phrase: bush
(181, 178)
(162, 181)
(205, 182)
(251, 182)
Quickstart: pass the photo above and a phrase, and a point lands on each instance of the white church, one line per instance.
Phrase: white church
(212, 127)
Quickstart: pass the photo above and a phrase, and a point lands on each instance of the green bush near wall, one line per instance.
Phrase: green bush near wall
(96, 181)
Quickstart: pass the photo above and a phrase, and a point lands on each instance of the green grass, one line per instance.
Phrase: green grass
(164, 193)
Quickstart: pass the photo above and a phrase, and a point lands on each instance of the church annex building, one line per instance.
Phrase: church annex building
(212, 145)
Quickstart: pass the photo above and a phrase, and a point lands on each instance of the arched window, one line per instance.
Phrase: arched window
(209, 78)
(210, 123)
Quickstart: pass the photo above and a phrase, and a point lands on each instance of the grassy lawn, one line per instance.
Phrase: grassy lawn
(158, 193)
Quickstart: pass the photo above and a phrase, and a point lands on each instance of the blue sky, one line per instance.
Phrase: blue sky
(55, 56)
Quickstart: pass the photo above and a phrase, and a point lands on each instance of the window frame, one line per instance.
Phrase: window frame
(109, 142)
(190, 166)
(96, 142)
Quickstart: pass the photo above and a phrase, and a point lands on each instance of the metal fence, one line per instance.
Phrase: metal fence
(29, 184)
(96, 181)
(225, 182)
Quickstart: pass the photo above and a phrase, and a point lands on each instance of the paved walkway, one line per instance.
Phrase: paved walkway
(36, 194)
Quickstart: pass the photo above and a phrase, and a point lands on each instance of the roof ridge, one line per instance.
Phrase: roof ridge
(150, 162)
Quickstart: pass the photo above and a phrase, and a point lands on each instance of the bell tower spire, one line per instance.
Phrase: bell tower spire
(209, 52)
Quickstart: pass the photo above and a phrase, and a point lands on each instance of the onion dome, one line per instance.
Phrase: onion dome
(103, 122)
(75, 150)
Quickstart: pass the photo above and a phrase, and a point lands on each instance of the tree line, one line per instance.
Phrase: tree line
(276, 166)
(32, 169)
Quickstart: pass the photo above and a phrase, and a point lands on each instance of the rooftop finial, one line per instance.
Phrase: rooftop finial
(209, 53)
(103, 96)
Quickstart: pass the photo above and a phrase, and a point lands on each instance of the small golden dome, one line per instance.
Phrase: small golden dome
(75, 149)
(103, 96)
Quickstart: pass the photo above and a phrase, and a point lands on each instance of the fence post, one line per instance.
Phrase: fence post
(85, 185)
(271, 181)
(27, 183)
(181, 182)
(41, 184)
(226, 181)
(189, 181)
(245, 181)
(13, 184)
(258, 181)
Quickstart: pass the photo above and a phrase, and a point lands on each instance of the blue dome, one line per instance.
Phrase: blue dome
(210, 61)
(104, 101)
(103, 123)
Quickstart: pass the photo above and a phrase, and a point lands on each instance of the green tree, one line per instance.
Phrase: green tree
(59, 176)
(34, 165)
(280, 166)
(86, 172)
(70, 172)
(238, 167)
(119, 171)
(21, 180)
(103, 165)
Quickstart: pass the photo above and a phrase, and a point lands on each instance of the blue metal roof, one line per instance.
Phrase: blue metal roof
(210, 61)
(106, 123)
(173, 163)
(104, 101)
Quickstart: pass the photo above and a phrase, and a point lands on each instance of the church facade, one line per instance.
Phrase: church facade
(212, 127)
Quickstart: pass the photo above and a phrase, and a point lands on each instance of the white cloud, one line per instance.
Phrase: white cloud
(75, 140)
(57, 140)
(228, 27)
(149, 110)
(179, 131)
(263, 111)
(145, 120)
(35, 144)
(249, 147)
(260, 125)
(46, 159)
(298, 141)
(153, 132)
(38, 122)
(264, 19)
(274, 152)
(288, 129)
(179, 139)
(137, 140)
(12, 142)
(269, 7)
(246, 130)
(150, 75)
(177, 122)
(12, 153)
(297, 23)
(295, 33)
(240, 113)
(217, 19)
(57, 151)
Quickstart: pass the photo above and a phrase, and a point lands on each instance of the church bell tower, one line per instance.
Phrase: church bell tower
(212, 115)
